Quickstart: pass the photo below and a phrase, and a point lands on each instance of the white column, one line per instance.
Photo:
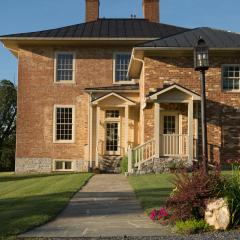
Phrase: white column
(190, 130)
(157, 128)
(90, 135)
(126, 127)
(97, 134)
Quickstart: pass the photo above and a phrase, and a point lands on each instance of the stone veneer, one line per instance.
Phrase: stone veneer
(44, 165)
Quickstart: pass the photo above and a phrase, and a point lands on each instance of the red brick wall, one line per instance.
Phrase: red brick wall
(37, 94)
(223, 115)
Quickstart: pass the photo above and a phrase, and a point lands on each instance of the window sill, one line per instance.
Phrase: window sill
(124, 83)
(230, 91)
(65, 82)
(64, 142)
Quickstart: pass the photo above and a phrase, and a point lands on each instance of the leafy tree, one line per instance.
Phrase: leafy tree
(8, 111)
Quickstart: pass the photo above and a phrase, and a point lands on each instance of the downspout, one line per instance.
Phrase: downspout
(143, 104)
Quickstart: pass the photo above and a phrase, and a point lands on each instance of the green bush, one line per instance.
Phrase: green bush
(192, 226)
(231, 190)
(124, 164)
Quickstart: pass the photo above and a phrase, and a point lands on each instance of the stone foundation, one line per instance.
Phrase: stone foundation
(45, 165)
(165, 165)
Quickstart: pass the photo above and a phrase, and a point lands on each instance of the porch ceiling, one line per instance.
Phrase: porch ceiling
(173, 93)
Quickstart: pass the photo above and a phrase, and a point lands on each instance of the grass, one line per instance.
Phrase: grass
(27, 201)
(152, 190)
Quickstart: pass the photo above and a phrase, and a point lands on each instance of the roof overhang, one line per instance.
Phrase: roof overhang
(13, 44)
(116, 95)
(192, 95)
(138, 54)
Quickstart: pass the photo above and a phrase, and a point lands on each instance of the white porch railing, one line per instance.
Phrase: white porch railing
(141, 154)
(174, 145)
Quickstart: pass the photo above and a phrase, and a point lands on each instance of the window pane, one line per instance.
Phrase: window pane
(68, 165)
(64, 124)
(64, 66)
(231, 77)
(58, 165)
(121, 66)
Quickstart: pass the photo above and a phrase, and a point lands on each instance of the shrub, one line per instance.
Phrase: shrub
(192, 226)
(124, 164)
(188, 201)
(231, 190)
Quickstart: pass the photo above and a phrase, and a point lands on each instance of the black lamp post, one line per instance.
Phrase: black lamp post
(201, 63)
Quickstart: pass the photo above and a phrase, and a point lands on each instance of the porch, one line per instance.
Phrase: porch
(175, 131)
(113, 128)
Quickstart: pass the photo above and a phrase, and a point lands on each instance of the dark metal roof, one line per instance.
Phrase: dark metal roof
(127, 87)
(214, 38)
(106, 28)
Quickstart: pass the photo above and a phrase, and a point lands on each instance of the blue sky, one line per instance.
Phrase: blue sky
(33, 15)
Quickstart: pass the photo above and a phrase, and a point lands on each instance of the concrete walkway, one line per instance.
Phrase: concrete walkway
(105, 207)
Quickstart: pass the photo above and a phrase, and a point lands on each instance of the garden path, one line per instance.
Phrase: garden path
(105, 207)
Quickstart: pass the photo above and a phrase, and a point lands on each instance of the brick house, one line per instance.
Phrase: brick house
(93, 92)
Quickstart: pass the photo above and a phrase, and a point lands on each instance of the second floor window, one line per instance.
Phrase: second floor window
(121, 66)
(64, 67)
(231, 77)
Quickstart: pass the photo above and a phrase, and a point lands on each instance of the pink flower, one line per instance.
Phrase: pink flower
(163, 212)
(153, 215)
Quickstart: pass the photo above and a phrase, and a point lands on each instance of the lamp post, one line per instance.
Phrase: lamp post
(201, 64)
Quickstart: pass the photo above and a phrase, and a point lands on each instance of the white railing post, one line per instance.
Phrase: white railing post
(130, 158)
(157, 128)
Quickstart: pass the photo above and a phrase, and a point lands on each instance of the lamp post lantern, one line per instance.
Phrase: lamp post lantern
(201, 64)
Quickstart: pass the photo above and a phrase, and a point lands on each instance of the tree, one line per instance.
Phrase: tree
(8, 112)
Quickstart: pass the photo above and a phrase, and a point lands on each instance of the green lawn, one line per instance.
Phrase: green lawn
(152, 190)
(27, 201)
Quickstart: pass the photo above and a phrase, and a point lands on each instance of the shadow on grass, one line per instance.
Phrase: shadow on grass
(15, 177)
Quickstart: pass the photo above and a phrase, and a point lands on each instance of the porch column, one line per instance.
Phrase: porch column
(126, 127)
(90, 135)
(190, 130)
(157, 128)
(97, 134)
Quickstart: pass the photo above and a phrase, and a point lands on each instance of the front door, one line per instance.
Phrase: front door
(112, 138)
(169, 137)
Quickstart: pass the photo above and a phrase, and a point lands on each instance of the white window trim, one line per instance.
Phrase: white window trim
(74, 68)
(132, 81)
(222, 77)
(73, 124)
(62, 170)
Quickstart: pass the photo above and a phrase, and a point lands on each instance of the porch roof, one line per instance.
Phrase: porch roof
(115, 88)
(115, 95)
(174, 87)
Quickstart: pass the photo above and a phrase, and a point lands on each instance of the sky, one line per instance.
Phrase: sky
(33, 15)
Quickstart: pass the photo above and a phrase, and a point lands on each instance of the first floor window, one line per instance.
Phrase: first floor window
(64, 123)
(112, 114)
(121, 66)
(64, 67)
(231, 77)
(63, 165)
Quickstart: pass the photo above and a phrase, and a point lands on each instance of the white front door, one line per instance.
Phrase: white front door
(112, 138)
(169, 134)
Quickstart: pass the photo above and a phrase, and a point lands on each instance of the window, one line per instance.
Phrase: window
(231, 77)
(112, 114)
(63, 166)
(169, 125)
(64, 124)
(64, 67)
(121, 67)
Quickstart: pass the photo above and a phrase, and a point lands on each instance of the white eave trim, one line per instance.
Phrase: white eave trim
(174, 86)
(128, 101)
